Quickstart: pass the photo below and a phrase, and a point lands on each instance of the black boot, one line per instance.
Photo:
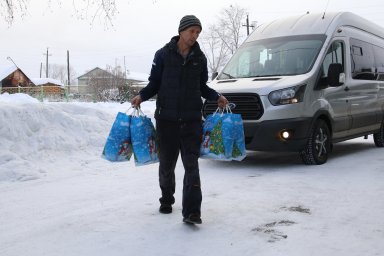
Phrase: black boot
(193, 219)
(165, 208)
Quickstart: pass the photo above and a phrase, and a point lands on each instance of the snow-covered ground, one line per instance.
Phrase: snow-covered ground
(59, 197)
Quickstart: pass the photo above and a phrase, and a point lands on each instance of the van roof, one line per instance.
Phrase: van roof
(316, 23)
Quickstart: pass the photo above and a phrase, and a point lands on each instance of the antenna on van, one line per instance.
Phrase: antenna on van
(326, 7)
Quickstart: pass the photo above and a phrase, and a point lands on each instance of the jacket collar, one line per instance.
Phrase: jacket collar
(172, 45)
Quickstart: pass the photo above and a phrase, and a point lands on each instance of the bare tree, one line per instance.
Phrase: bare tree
(215, 49)
(101, 8)
(220, 41)
(60, 72)
(230, 24)
(10, 9)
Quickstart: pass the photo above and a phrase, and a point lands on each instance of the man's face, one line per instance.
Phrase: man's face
(190, 35)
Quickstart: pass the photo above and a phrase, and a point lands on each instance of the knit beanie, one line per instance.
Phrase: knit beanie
(188, 21)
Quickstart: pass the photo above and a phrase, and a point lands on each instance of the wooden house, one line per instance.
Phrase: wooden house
(14, 80)
(49, 86)
(100, 81)
(101, 74)
(84, 80)
(14, 77)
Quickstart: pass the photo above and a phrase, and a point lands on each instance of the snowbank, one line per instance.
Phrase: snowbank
(33, 132)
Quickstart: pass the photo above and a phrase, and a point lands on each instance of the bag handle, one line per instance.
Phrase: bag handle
(141, 113)
(227, 109)
(126, 112)
(219, 110)
(136, 112)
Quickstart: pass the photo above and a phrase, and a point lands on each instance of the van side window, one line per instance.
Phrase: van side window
(379, 62)
(335, 54)
(362, 60)
(356, 50)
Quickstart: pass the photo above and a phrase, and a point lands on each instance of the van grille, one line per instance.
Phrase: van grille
(247, 104)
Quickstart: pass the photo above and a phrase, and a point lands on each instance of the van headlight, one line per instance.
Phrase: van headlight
(287, 96)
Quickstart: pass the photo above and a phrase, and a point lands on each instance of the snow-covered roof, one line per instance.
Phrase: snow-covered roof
(137, 76)
(131, 75)
(140, 84)
(42, 81)
(6, 71)
(98, 71)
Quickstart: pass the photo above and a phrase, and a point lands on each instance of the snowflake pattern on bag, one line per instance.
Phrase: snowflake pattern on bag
(144, 141)
(118, 146)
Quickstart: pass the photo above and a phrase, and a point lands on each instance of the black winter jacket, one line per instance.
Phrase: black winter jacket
(179, 83)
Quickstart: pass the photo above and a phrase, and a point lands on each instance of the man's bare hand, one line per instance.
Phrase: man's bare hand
(136, 101)
(222, 101)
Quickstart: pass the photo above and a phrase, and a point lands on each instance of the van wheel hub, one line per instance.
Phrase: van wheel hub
(321, 141)
(318, 145)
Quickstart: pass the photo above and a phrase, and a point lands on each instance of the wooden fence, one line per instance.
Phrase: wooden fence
(36, 91)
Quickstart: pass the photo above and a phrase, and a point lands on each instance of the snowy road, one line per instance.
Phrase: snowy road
(67, 201)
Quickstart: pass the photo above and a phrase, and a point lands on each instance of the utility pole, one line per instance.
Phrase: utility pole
(69, 79)
(125, 70)
(46, 63)
(248, 26)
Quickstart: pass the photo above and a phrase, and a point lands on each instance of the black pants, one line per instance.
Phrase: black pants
(183, 137)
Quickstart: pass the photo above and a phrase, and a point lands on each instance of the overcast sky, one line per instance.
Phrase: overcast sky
(139, 28)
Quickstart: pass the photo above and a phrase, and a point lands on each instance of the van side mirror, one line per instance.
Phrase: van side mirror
(214, 75)
(336, 77)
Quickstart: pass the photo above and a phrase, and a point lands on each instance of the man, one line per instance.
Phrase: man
(178, 77)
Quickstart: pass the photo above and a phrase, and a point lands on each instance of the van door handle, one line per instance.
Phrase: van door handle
(346, 88)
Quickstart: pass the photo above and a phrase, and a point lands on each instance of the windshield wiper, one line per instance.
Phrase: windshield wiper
(228, 75)
(268, 75)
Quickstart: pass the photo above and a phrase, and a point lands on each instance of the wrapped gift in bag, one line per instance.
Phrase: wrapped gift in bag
(212, 145)
(227, 130)
(223, 136)
(118, 146)
(238, 148)
(144, 140)
(233, 134)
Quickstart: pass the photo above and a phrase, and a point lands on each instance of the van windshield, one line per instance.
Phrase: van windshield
(280, 56)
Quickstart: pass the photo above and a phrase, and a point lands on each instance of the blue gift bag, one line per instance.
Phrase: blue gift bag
(212, 143)
(227, 130)
(238, 148)
(144, 142)
(118, 146)
(223, 136)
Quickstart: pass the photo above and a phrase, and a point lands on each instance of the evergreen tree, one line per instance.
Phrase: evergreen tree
(217, 145)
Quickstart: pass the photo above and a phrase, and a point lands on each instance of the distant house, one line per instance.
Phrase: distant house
(14, 80)
(97, 73)
(137, 81)
(84, 80)
(137, 78)
(47, 82)
(94, 73)
(14, 77)
(50, 86)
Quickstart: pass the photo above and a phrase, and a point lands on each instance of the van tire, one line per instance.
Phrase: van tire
(318, 145)
(378, 137)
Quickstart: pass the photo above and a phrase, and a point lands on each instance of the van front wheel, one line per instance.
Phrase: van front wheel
(318, 146)
(378, 137)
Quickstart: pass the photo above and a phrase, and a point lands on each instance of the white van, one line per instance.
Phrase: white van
(306, 82)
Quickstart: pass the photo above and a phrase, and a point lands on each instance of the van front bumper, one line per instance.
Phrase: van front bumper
(269, 135)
